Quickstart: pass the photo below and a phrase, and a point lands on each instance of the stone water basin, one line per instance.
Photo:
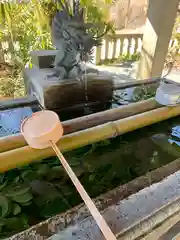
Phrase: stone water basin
(110, 171)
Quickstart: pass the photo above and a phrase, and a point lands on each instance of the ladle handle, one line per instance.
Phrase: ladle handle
(89, 203)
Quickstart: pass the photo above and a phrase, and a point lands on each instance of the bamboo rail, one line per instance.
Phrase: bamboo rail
(136, 83)
(25, 155)
(19, 102)
(70, 126)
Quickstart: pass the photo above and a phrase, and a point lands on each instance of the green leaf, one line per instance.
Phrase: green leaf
(5, 206)
(92, 177)
(3, 185)
(53, 208)
(16, 179)
(176, 146)
(161, 140)
(13, 223)
(57, 168)
(26, 204)
(16, 209)
(2, 222)
(17, 191)
(78, 171)
(2, 175)
(12, 174)
(55, 173)
(29, 175)
(24, 198)
(24, 219)
(45, 189)
(40, 201)
(43, 169)
(104, 142)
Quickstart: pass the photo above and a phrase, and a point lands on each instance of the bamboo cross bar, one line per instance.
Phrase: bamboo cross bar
(70, 126)
(25, 155)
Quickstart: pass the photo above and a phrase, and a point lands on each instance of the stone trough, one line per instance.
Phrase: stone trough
(144, 208)
(136, 210)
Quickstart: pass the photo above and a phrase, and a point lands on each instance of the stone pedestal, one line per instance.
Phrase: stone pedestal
(43, 59)
(58, 95)
(67, 94)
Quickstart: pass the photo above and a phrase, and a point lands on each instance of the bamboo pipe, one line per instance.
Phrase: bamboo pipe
(17, 141)
(25, 155)
(18, 102)
(131, 84)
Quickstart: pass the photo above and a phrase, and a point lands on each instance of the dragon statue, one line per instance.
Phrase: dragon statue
(74, 39)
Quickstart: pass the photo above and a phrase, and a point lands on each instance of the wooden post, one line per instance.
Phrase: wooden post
(98, 55)
(1, 53)
(157, 34)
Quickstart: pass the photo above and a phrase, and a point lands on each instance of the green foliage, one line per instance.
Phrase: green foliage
(26, 27)
(12, 85)
(144, 93)
(98, 12)
(173, 52)
(122, 58)
(35, 190)
(17, 195)
(22, 30)
(12, 200)
(129, 57)
(41, 190)
(176, 32)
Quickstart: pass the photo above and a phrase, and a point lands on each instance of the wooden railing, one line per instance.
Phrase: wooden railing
(122, 43)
